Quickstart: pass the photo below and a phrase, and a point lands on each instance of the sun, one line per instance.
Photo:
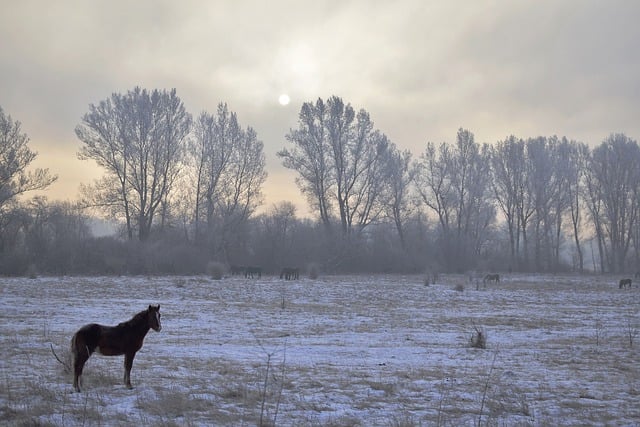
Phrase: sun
(284, 99)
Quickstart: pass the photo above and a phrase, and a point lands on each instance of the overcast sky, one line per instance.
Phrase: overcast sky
(422, 69)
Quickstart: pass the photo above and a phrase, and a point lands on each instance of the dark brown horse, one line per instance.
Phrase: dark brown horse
(290, 273)
(251, 272)
(237, 270)
(624, 282)
(491, 278)
(125, 338)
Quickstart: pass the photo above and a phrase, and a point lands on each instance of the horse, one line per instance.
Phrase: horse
(491, 278)
(250, 272)
(623, 283)
(125, 338)
(637, 275)
(289, 273)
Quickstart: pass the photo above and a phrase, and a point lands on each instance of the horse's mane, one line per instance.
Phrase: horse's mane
(138, 318)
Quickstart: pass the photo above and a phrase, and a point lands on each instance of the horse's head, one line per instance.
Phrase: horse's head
(153, 317)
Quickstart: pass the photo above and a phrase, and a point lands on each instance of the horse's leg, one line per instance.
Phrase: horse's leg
(128, 363)
(80, 354)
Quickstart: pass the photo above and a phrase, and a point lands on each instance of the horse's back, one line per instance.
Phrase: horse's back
(87, 336)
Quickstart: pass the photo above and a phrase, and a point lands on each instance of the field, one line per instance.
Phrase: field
(335, 351)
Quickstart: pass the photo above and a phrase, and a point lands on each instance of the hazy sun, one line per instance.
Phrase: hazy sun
(284, 99)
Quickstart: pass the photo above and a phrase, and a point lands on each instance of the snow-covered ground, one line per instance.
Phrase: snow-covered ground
(339, 351)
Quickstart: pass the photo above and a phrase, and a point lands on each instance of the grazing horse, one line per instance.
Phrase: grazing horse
(491, 278)
(289, 273)
(623, 283)
(125, 338)
(251, 272)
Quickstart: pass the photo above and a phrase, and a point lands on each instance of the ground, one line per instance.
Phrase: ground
(335, 351)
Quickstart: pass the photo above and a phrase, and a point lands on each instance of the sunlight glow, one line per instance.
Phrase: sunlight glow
(284, 99)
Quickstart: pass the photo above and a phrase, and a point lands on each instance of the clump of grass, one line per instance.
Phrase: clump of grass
(215, 270)
(478, 338)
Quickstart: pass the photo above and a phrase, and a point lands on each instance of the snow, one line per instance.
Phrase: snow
(340, 350)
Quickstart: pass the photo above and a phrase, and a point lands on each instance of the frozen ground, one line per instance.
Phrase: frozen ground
(338, 351)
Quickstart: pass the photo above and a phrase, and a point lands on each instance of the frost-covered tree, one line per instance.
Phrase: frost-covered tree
(454, 183)
(228, 169)
(508, 177)
(397, 188)
(15, 158)
(340, 160)
(138, 139)
(613, 189)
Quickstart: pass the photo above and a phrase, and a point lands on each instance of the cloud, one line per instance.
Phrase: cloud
(421, 68)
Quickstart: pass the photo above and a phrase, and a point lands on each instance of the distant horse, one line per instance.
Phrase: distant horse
(637, 275)
(125, 338)
(623, 283)
(251, 272)
(289, 273)
(491, 278)
(236, 270)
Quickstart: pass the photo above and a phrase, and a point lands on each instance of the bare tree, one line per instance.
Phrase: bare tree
(542, 184)
(229, 169)
(455, 183)
(339, 157)
(15, 158)
(575, 155)
(613, 182)
(507, 160)
(310, 157)
(278, 227)
(397, 188)
(433, 182)
(138, 139)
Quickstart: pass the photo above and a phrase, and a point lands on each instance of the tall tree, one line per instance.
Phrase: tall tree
(15, 158)
(507, 161)
(138, 139)
(397, 188)
(613, 185)
(454, 182)
(229, 169)
(575, 155)
(542, 187)
(339, 157)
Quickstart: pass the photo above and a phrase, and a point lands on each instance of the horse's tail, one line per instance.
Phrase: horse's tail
(74, 348)
(78, 345)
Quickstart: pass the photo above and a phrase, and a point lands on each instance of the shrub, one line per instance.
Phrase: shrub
(215, 270)
(313, 271)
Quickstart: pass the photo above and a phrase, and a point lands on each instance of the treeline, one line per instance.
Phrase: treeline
(184, 194)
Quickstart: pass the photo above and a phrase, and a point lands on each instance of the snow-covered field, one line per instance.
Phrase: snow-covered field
(338, 351)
